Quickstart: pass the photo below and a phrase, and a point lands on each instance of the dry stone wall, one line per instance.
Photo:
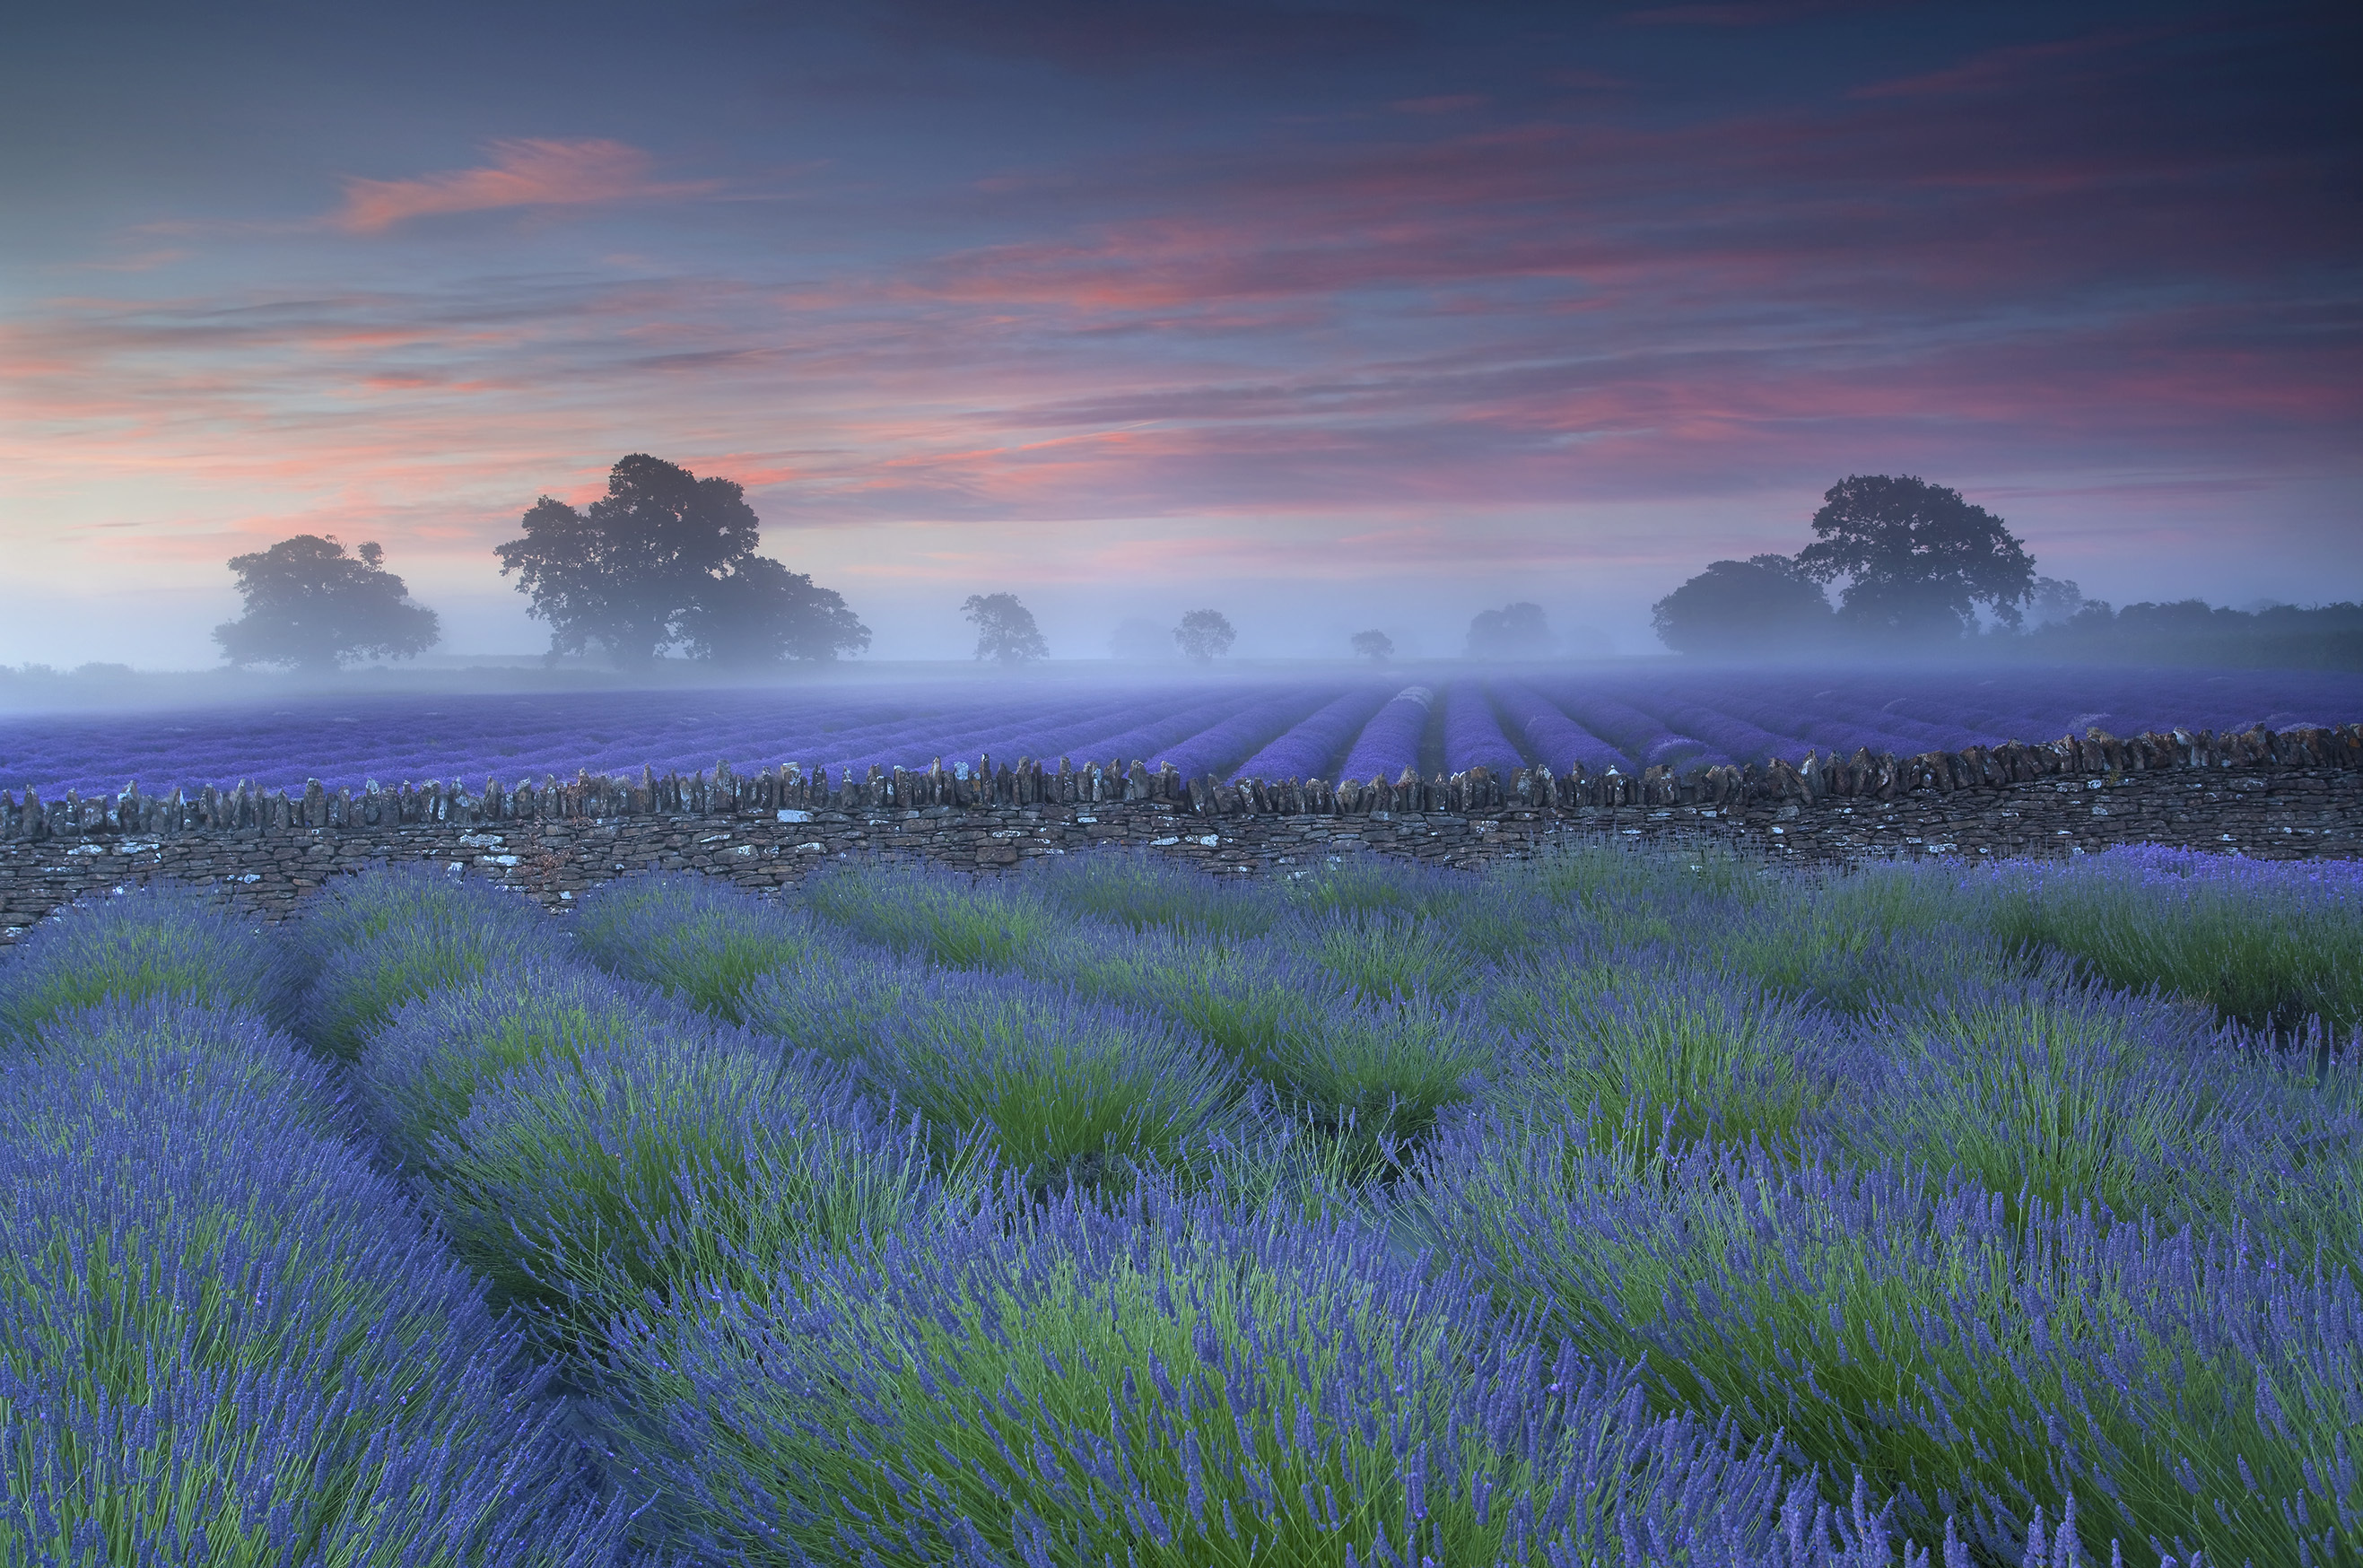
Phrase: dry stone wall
(2279, 796)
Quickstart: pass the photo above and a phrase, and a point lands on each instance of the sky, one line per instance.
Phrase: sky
(1329, 315)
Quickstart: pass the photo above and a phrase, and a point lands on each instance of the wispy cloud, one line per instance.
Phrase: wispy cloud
(525, 173)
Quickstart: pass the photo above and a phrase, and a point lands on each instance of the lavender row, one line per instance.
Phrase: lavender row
(1389, 741)
(1563, 746)
(1025, 731)
(1307, 750)
(1722, 730)
(285, 1338)
(1648, 741)
(1220, 748)
(1472, 734)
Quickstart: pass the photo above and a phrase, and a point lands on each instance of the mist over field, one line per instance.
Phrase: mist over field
(1334, 317)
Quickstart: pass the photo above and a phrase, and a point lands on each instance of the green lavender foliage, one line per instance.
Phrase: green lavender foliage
(2058, 1095)
(419, 1076)
(577, 1185)
(2270, 945)
(162, 939)
(366, 944)
(958, 920)
(1142, 890)
(1635, 1036)
(696, 937)
(1973, 1366)
(1059, 1087)
(1164, 1382)
(225, 1340)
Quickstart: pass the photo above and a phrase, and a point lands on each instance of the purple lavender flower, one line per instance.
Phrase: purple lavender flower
(1316, 741)
(227, 1333)
(1472, 734)
(1167, 1373)
(1563, 745)
(1390, 741)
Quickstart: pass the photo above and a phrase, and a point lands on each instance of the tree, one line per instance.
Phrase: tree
(761, 614)
(1376, 647)
(1763, 604)
(2054, 600)
(1204, 636)
(1514, 630)
(1919, 559)
(1004, 628)
(311, 605)
(623, 571)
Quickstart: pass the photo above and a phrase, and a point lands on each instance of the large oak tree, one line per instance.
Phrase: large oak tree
(1764, 606)
(666, 557)
(312, 606)
(1919, 559)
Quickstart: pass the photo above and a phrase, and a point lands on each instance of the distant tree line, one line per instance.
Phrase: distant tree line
(1918, 564)
(664, 560)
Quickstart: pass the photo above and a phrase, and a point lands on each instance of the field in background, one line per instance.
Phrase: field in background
(1326, 725)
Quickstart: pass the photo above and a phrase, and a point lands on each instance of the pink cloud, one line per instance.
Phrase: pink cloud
(525, 173)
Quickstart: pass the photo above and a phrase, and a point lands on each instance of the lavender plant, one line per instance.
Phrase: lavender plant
(2066, 1095)
(1380, 955)
(149, 1048)
(1062, 1089)
(1376, 1071)
(1381, 1065)
(1848, 957)
(578, 1186)
(1140, 890)
(2269, 943)
(1699, 1056)
(381, 899)
(225, 1340)
(1163, 1382)
(360, 988)
(1378, 883)
(2190, 1394)
(162, 939)
(695, 936)
(839, 1003)
(959, 920)
(418, 1077)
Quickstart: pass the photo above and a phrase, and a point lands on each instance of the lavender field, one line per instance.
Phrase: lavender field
(1629, 1207)
(1355, 726)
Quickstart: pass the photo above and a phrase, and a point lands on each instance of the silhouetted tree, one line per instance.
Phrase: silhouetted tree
(1376, 647)
(1204, 636)
(761, 614)
(311, 605)
(2053, 600)
(1763, 604)
(1004, 628)
(1919, 559)
(1514, 630)
(623, 571)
